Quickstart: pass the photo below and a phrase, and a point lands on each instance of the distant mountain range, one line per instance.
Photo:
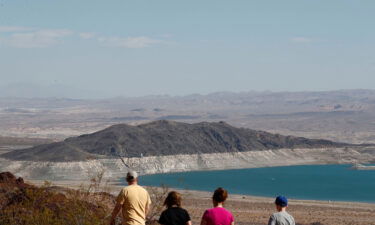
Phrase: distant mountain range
(160, 138)
(30, 90)
(23, 141)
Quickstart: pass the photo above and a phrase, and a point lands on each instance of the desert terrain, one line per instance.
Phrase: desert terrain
(343, 116)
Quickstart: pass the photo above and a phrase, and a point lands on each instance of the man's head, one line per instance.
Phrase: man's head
(131, 177)
(281, 202)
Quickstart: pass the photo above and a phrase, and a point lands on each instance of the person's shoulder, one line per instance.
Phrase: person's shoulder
(142, 189)
(229, 213)
(133, 187)
(282, 214)
(285, 213)
(226, 209)
(181, 210)
(275, 215)
(124, 189)
(185, 213)
(123, 192)
(218, 210)
(222, 209)
(127, 187)
(210, 210)
(288, 215)
(162, 216)
(164, 212)
(138, 187)
(139, 190)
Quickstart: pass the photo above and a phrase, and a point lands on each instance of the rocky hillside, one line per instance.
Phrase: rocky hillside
(160, 138)
(22, 203)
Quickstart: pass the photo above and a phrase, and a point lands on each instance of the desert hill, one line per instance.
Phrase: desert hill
(161, 138)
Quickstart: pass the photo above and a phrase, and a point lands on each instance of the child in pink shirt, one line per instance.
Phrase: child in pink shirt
(218, 215)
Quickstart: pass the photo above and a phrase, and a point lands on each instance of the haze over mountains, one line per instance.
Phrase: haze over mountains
(342, 116)
(163, 138)
(56, 90)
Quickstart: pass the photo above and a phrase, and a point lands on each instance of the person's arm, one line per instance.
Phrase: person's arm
(115, 212)
(188, 222)
(161, 220)
(148, 205)
(147, 209)
(271, 221)
(120, 200)
(232, 223)
(204, 219)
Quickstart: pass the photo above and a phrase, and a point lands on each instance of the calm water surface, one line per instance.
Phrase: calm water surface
(319, 182)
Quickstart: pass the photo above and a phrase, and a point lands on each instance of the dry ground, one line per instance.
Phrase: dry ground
(252, 211)
(256, 210)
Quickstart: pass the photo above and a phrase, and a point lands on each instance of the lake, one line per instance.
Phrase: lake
(317, 182)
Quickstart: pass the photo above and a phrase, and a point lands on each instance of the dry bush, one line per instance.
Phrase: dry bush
(90, 204)
(157, 195)
(44, 206)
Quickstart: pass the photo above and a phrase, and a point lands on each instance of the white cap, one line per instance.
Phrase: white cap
(131, 175)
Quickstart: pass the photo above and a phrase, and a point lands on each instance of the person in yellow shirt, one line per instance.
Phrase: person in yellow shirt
(133, 200)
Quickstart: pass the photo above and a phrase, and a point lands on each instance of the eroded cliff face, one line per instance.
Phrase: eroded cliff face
(115, 168)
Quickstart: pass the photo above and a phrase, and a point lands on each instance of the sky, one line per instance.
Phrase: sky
(137, 48)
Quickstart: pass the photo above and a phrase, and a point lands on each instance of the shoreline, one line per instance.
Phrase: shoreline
(115, 186)
(115, 168)
(185, 181)
(247, 198)
(271, 199)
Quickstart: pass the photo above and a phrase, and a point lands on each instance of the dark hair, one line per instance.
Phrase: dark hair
(220, 195)
(173, 198)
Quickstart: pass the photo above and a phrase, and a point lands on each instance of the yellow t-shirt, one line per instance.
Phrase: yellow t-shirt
(134, 200)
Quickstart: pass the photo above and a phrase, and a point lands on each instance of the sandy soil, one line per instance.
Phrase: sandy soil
(253, 210)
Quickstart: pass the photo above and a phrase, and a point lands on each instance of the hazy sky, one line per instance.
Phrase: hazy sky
(134, 48)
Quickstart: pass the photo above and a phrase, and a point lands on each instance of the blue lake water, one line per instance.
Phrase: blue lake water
(318, 182)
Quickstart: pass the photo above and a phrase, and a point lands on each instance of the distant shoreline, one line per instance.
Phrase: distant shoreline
(115, 187)
(242, 189)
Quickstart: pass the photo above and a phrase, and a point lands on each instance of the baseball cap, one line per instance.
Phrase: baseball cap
(131, 175)
(281, 201)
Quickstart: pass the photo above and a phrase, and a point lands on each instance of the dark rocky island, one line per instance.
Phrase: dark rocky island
(163, 138)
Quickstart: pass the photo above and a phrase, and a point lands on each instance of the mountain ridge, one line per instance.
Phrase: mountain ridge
(161, 138)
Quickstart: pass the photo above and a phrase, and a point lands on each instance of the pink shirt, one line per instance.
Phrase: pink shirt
(218, 216)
